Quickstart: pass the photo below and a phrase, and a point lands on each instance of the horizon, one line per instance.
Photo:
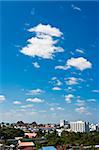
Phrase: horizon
(49, 61)
(51, 123)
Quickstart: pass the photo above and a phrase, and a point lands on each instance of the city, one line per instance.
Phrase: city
(33, 136)
(49, 75)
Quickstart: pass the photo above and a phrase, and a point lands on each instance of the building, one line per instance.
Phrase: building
(31, 135)
(67, 125)
(94, 127)
(62, 123)
(26, 145)
(59, 131)
(79, 126)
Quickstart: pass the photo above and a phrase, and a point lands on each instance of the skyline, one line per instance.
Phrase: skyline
(49, 61)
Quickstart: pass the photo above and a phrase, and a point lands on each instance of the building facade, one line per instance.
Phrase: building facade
(79, 126)
(62, 123)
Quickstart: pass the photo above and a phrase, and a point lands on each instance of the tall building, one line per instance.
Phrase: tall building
(67, 125)
(79, 126)
(62, 123)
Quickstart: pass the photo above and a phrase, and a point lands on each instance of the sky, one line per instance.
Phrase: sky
(49, 61)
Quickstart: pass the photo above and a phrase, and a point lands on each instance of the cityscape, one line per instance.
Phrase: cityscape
(33, 136)
(49, 76)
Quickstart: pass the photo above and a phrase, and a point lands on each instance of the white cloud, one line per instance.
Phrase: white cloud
(35, 92)
(96, 91)
(43, 45)
(60, 108)
(56, 81)
(79, 63)
(72, 81)
(76, 8)
(91, 100)
(72, 53)
(46, 29)
(68, 98)
(35, 100)
(54, 78)
(82, 110)
(56, 88)
(27, 106)
(70, 89)
(17, 102)
(80, 51)
(80, 103)
(61, 67)
(2, 98)
(57, 108)
(52, 109)
(32, 113)
(36, 64)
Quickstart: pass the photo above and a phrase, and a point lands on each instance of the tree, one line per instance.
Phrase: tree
(8, 133)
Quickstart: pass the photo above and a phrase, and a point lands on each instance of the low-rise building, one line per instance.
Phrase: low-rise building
(26, 145)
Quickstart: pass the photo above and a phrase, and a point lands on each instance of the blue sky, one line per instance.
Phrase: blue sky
(49, 61)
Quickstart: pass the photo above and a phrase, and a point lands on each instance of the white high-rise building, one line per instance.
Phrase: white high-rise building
(79, 126)
(62, 123)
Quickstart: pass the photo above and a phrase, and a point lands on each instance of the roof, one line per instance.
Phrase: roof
(26, 140)
(31, 134)
(49, 148)
(23, 144)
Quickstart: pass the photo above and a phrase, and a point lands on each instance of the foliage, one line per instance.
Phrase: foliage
(10, 133)
(52, 138)
(91, 138)
(37, 145)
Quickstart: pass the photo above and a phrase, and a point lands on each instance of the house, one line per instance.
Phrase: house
(28, 145)
(31, 135)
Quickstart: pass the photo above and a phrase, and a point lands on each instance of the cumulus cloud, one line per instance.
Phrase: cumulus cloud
(70, 89)
(82, 110)
(43, 44)
(69, 98)
(47, 30)
(35, 100)
(61, 67)
(35, 92)
(80, 103)
(71, 81)
(2, 98)
(36, 64)
(79, 63)
(56, 88)
(55, 81)
(17, 102)
(58, 82)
